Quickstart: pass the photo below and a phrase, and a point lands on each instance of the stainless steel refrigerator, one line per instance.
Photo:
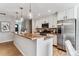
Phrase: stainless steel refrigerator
(66, 31)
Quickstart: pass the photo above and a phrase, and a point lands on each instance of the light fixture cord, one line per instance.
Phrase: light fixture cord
(30, 8)
(16, 15)
(30, 11)
(21, 10)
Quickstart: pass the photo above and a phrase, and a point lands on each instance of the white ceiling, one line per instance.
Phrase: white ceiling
(37, 8)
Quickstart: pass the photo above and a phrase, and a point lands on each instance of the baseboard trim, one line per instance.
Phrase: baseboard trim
(5, 41)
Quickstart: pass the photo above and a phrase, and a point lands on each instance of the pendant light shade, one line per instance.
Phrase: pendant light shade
(30, 13)
(17, 17)
(21, 19)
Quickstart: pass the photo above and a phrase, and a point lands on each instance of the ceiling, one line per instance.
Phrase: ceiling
(38, 9)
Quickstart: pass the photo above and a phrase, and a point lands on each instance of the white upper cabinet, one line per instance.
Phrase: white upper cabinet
(70, 13)
(66, 14)
(61, 15)
(50, 19)
(38, 23)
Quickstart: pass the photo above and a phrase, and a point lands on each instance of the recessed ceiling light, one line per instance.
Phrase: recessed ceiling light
(49, 11)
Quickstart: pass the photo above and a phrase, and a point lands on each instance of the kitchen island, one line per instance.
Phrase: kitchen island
(34, 45)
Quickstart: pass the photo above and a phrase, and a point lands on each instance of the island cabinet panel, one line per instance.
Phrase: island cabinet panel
(44, 47)
(25, 45)
(38, 47)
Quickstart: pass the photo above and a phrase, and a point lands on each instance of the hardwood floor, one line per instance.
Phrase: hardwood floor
(9, 49)
(58, 52)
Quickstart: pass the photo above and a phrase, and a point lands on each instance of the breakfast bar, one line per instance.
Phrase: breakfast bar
(34, 45)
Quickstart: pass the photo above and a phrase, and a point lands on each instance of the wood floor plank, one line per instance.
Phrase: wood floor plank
(58, 52)
(9, 49)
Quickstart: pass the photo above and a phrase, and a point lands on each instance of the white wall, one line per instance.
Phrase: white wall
(7, 36)
(51, 19)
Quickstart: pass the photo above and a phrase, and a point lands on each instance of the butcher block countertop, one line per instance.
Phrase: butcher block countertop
(33, 36)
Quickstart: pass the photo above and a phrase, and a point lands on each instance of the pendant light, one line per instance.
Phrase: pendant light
(17, 17)
(30, 12)
(21, 19)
